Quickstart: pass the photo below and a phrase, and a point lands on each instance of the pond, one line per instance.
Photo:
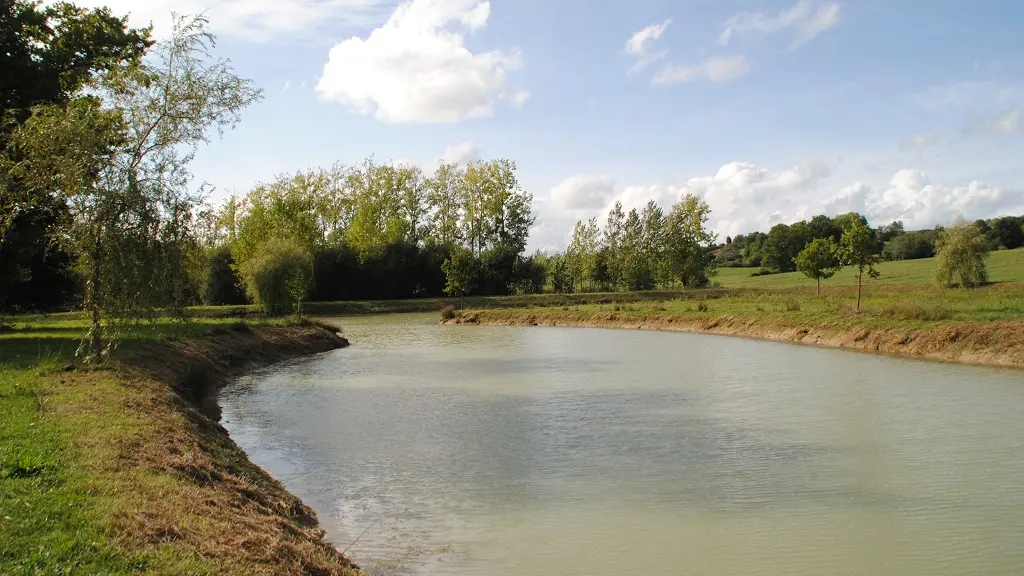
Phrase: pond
(429, 449)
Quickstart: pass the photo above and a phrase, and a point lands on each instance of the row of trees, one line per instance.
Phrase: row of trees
(777, 249)
(370, 231)
(638, 250)
(962, 250)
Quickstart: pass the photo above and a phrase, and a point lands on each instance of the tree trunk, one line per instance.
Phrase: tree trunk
(818, 291)
(860, 278)
(96, 339)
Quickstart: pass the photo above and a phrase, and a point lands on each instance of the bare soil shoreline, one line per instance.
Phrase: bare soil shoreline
(997, 344)
(214, 501)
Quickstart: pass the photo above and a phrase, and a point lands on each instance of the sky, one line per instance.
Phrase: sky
(771, 111)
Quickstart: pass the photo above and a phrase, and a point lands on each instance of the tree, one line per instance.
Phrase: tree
(961, 254)
(118, 157)
(688, 242)
(443, 201)
(613, 230)
(890, 231)
(581, 256)
(460, 274)
(859, 248)
(47, 54)
(819, 260)
(278, 277)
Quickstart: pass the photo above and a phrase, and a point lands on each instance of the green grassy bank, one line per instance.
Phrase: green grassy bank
(982, 326)
(1003, 266)
(124, 470)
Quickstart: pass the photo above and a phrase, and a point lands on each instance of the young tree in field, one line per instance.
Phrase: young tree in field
(859, 249)
(819, 260)
(961, 254)
(118, 157)
(460, 274)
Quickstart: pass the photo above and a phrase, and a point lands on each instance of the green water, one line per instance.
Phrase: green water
(504, 450)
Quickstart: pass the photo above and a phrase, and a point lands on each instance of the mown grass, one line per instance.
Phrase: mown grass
(883, 306)
(52, 505)
(81, 487)
(1003, 266)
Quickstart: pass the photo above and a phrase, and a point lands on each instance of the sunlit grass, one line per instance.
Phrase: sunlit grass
(1003, 266)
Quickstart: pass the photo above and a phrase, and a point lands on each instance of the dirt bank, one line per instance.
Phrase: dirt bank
(990, 344)
(183, 484)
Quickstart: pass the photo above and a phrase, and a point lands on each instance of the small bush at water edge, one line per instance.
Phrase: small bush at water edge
(448, 313)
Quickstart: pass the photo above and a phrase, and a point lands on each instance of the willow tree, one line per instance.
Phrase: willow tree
(961, 251)
(118, 155)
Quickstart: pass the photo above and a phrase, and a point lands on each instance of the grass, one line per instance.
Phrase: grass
(882, 306)
(1003, 266)
(107, 471)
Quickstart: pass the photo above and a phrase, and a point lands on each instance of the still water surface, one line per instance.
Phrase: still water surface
(504, 450)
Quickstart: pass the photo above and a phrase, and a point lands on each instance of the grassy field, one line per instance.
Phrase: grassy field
(882, 307)
(1003, 266)
(95, 464)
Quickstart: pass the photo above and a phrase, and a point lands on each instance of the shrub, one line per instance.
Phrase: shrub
(220, 285)
(792, 305)
(278, 275)
(702, 306)
(961, 254)
(448, 312)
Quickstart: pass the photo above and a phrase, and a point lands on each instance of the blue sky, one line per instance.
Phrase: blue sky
(773, 111)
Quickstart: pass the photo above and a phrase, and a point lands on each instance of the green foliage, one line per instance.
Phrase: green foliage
(688, 258)
(911, 246)
(961, 255)
(460, 270)
(278, 275)
(859, 249)
(117, 157)
(819, 260)
(220, 285)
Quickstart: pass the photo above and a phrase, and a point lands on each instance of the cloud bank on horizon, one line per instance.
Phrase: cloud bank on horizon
(730, 84)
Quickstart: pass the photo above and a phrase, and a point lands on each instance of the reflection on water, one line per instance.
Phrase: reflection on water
(501, 450)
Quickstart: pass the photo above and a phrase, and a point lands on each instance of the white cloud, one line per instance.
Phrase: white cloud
(463, 153)
(640, 42)
(920, 141)
(416, 68)
(640, 46)
(255, 20)
(746, 197)
(719, 70)
(1006, 122)
(805, 21)
(287, 86)
(911, 197)
(583, 192)
(676, 74)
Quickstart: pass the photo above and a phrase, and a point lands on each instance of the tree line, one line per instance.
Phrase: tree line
(370, 231)
(776, 251)
(98, 209)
